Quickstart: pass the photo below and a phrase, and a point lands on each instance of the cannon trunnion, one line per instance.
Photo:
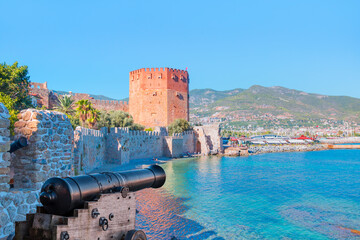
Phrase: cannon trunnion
(81, 212)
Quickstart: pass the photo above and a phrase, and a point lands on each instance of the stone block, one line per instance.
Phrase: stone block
(8, 229)
(41, 146)
(4, 179)
(20, 124)
(33, 125)
(32, 198)
(4, 171)
(37, 115)
(4, 187)
(4, 217)
(11, 210)
(4, 146)
(46, 124)
(6, 156)
(26, 116)
(26, 131)
(55, 138)
(22, 209)
(4, 123)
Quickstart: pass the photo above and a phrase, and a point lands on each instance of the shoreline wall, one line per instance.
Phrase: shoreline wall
(93, 148)
(48, 154)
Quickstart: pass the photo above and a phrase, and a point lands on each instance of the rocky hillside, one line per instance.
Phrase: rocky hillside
(276, 101)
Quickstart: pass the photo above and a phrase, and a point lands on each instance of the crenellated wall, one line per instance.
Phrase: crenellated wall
(89, 149)
(125, 145)
(107, 105)
(44, 97)
(120, 145)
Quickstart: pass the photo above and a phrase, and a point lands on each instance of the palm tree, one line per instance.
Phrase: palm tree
(83, 110)
(66, 105)
(94, 116)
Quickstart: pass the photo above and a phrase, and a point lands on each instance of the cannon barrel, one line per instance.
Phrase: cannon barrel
(61, 195)
(17, 144)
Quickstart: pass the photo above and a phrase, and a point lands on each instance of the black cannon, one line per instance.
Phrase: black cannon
(17, 144)
(61, 195)
(94, 206)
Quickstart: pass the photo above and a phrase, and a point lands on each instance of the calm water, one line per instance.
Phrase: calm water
(311, 195)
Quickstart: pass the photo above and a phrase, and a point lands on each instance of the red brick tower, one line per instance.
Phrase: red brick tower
(158, 96)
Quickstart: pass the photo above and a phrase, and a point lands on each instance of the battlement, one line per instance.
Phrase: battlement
(109, 102)
(158, 96)
(39, 85)
(128, 132)
(107, 105)
(159, 70)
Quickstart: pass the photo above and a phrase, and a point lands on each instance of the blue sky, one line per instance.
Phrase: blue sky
(90, 46)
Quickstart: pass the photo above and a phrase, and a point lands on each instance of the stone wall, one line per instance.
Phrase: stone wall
(49, 151)
(124, 145)
(14, 203)
(120, 145)
(209, 139)
(4, 147)
(89, 149)
(188, 142)
(49, 99)
(173, 146)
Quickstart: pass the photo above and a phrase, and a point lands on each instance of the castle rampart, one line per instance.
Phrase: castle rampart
(44, 97)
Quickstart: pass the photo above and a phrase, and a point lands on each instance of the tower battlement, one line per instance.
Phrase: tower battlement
(158, 96)
(159, 70)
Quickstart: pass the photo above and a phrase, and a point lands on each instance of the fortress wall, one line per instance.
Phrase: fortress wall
(173, 146)
(209, 138)
(89, 149)
(125, 145)
(49, 150)
(189, 142)
(49, 99)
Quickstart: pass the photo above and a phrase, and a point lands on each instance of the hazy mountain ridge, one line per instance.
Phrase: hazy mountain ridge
(201, 97)
(278, 101)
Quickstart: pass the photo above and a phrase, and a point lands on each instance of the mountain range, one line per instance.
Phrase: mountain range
(258, 101)
(276, 101)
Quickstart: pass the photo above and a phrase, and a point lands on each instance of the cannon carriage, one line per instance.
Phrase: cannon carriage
(95, 206)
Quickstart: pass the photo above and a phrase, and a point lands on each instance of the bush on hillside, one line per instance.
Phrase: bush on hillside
(117, 119)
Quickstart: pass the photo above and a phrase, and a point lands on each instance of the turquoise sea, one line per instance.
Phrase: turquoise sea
(303, 195)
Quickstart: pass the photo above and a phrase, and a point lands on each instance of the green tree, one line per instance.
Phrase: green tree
(83, 110)
(66, 105)
(117, 119)
(14, 82)
(94, 116)
(179, 126)
(14, 90)
(9, 104)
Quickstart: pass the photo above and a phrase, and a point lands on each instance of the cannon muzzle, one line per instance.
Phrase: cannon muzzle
(62, 195)
(17, 144)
